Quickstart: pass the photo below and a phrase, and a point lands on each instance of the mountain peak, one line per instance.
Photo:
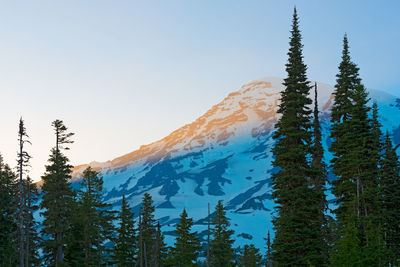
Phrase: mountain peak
(254, 105)
(223, 155)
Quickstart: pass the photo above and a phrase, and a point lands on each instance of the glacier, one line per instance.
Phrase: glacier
(223, 155)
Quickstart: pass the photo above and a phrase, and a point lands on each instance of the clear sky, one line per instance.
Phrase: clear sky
(126, 73)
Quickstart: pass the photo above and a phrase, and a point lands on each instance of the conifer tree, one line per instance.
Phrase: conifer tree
(126, 243)
(97, 217)
(319, 176)
(297, 224)
(390, 194)
(147, 232)
(221, 251)
(140, 243)
(250, 257)
(355, 161)
(8, 251)
(187, 244)
(93, 220)
(347, 246)
(57, 198)
(23, 161)
(347, 81)
(365, 157)
(375, 249)
(160, 249)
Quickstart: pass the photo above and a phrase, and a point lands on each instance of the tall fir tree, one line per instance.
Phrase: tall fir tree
(347, 81)
(344, 185)
(147, 232)
(187, 245)
(297, 224)
(57, 198)
(365, 157)
(140, 243)
(125, 249)
(354, 163)
(221, 251)
(92, 223)
(390, 194)
(160, 249)
(374, 226)
(319, 177)
(8, 209)
(23, 163)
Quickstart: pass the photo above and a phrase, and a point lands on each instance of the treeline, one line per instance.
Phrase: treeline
(78, 228)
(364, 229)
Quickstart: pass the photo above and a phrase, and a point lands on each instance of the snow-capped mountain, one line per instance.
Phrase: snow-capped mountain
(222, 155)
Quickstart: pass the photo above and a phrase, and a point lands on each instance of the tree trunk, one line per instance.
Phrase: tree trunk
(21, 202)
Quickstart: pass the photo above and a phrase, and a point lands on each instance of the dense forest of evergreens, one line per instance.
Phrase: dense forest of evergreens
(77, 228)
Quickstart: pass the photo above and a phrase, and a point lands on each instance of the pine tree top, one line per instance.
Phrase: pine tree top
(345, 51)
(62, 136)
(147, 209)
(295, 66)
(347, 82)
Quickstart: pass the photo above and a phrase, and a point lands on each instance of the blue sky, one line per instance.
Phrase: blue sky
(126, 73)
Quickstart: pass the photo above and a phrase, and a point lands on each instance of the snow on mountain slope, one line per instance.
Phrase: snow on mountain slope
(222, 155)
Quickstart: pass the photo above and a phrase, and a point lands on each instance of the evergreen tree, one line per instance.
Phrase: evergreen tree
(319, 167)
(187, 245)
(126, 244)
(23, 161)
(92, 223)
(160, 249)
(140, 243)
(347, 81)
(319, 177)
(221, 251)
(390, 194)
(375, 249)
(8, 251)
(57, 198)
(355, 160)
(250, 257)
(365, 157)
(147, 232)
(298, 238)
